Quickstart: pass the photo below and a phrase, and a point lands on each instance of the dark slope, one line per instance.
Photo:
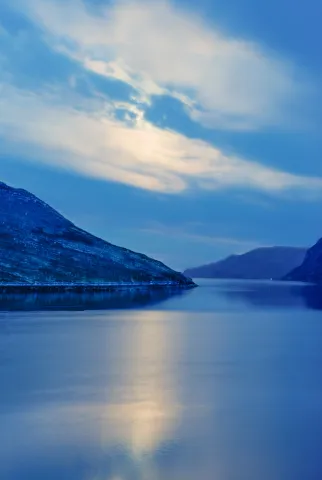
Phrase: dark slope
(261, 263)
(38, 245)
(311, 268)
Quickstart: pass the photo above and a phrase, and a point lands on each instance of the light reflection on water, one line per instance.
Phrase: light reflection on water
(222, 382)
(145, 417)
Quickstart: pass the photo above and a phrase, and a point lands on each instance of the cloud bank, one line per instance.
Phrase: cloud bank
(132, 151)
(158, 48)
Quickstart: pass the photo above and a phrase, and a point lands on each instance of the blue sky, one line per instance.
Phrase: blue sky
(184, 130)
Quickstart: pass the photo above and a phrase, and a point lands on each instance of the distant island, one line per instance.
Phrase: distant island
(43, 251)
(259, 264)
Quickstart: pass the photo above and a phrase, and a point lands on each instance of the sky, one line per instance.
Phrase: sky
(185, 130)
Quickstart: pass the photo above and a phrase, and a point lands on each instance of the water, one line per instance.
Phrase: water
(223, 382)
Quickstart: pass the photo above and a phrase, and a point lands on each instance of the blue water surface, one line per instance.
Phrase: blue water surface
(222, 382)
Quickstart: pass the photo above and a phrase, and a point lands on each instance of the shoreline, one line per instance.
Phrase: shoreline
(80, 288)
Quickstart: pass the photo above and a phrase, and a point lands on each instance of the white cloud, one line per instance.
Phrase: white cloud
(94, 142)
(158, 48)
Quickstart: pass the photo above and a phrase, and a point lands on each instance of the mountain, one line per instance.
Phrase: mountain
(39, 245)
(261, 263)
(311, 268)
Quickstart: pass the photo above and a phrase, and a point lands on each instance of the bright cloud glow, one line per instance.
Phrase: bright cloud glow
(157, 48)
(96, 143)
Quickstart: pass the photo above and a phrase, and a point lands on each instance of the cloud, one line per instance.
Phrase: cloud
(89, 138)
(239, 244)
(158, 48)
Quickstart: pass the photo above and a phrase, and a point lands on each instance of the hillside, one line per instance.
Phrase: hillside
(261, 263)
(39, 245)
(311, 268)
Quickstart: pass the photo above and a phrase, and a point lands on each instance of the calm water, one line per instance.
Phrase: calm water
(223, 382)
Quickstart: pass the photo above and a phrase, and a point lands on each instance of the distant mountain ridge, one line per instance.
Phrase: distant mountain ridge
(40, 246)
(311, 268)
(259, 264)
